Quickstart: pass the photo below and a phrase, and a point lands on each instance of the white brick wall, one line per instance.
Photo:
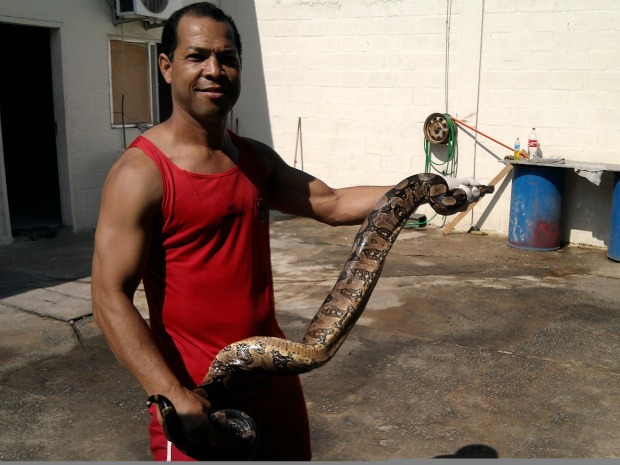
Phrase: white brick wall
(364, 75)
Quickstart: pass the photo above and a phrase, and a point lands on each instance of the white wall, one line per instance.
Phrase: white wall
(364, 75)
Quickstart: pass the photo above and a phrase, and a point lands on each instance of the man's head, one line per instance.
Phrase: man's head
(169, 37)
(201, 61)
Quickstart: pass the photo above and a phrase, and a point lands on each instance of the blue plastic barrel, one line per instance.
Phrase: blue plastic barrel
(613, 250)
(536, 208)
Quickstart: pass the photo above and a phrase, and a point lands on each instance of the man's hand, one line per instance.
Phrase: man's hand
(467, 184)
(187, 423)
(192, 426)
(194, 410)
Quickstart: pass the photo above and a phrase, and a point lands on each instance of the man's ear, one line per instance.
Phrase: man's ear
(165, 66)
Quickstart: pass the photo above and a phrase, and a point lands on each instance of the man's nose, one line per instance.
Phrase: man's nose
(212, 67)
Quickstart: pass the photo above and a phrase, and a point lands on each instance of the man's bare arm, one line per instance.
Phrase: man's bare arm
(131, 196)
(296, 192)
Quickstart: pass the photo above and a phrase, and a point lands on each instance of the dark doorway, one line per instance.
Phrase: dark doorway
(29, 129)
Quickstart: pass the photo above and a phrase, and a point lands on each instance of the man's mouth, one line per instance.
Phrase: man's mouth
(213, 92)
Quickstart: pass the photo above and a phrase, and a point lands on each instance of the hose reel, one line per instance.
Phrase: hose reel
(439, 128)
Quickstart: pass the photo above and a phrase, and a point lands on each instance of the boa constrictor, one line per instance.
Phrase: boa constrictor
(329, 327)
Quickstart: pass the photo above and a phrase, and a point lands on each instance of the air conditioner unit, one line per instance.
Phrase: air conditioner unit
(158, 9)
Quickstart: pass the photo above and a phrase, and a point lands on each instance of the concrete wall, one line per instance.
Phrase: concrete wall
(363, 76)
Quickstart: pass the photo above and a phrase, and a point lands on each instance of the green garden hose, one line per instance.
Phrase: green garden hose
(439, 129)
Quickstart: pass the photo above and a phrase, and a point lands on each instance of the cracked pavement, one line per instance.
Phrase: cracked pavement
(467, 348)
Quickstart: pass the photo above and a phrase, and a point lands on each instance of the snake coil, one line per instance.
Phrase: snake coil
(329, 327)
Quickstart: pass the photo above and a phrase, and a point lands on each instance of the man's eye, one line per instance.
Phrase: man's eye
(229, 60)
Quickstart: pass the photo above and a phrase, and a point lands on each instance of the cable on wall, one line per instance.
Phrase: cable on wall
(479, 79)
(447, 57)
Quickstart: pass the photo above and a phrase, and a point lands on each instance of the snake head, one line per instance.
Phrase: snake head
(448, 202)
(486, 190)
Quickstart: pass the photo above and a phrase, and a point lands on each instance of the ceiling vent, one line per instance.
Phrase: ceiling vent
(157, 9)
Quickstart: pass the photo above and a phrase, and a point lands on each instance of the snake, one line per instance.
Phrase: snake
(328, 329)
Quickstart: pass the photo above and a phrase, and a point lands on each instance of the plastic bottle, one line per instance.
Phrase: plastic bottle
(532, 144)
(517, 154)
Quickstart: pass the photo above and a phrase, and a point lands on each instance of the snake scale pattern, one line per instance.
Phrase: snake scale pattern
(338, 313)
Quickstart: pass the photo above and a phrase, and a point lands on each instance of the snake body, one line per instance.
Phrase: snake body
(343, 305)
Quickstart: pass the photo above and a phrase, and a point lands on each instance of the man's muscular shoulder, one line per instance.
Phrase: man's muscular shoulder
(135, 176)
(268, 155)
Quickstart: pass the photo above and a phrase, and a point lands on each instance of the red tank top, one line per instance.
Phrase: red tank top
(208, 280)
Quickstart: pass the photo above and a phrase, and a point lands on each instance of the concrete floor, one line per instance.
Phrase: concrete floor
(467, 348)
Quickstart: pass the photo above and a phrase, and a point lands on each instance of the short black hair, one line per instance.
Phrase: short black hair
(169, 36)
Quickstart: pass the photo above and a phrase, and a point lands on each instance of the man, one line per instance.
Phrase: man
(185, 210)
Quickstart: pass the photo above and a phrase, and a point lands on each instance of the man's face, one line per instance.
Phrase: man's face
(205, 73)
